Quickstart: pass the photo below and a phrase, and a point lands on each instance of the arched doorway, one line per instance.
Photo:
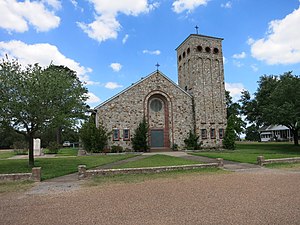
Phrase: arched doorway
(158, 120)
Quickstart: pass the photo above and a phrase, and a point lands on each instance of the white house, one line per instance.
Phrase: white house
(275, 133)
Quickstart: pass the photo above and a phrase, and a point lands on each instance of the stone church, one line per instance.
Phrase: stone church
(197, 103)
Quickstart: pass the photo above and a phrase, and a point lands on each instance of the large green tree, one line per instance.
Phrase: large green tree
(234, 111)
(33, 97)
(276, 101)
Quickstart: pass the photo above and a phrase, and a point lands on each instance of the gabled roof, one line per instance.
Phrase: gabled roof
(272, 128)
(140, 81)
(198, 35)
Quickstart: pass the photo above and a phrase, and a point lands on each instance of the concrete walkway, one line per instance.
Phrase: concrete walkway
(70, 182)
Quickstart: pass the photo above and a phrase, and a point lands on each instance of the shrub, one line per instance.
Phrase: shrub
(175, 147)
(116, 148)
(229, 137)
(94, 138)
(140, 138)
(20, 145)
(191, 142)
(21, 151)
(53, 147)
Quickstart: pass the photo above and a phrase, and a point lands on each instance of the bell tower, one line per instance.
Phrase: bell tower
(201, 74)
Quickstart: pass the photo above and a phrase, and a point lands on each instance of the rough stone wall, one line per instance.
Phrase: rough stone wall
(200, 72)
(126, 110)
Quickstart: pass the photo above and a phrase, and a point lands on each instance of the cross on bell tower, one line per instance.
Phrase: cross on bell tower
(196, 27)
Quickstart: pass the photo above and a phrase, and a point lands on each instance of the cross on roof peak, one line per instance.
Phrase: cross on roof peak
(157, 65)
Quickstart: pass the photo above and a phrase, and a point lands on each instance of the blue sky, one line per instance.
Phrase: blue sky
(113, 43)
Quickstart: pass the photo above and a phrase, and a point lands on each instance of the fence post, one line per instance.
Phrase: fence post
(81, 172)
(260, 160)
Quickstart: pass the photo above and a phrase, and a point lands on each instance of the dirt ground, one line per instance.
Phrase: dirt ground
(259, 197)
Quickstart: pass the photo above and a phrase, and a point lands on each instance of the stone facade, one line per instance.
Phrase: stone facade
(127, 109)
(171, 110)
(201, 73)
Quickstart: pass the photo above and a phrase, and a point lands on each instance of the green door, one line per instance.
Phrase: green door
(157, 138)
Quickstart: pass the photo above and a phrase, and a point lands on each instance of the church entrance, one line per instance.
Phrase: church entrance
(157, 138)
(158, 120)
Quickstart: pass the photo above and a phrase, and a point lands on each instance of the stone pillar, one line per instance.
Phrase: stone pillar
(220, 162)
(81, 172)
(36, 174)
(260, 160)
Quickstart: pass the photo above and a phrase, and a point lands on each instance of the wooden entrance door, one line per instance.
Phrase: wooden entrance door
(157, 138)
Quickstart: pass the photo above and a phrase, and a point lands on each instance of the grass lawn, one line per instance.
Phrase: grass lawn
(248, 152)
(6, 154)
(55, 167)
(287, 166)
(157, 160)
(136, 178)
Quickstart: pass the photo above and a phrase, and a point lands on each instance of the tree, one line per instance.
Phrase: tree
(276, 101)
(140, 138)
(94, 138)
(229, 137)
(33, 97)
(192, 141)
(252, 133)
(234, 111)
(8, 137)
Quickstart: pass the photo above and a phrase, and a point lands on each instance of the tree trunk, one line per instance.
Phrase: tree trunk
(296, 136)
(31, 155)
(58, 135)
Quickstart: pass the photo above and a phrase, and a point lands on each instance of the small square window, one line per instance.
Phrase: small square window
(126, 134)
(212, 133)
(221, 133)
(203, 134)
(116, 134)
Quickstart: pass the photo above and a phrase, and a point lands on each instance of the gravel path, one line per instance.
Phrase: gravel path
(262, 197)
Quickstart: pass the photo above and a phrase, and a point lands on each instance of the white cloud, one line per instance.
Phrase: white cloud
(224, 60)
(155, 52)
(227, 5)
(56, 4)
(17, 16)
(116, 66)
(124, 40)
(242, 55)
(237, 63)
(182, 5)
(254, 68)
(250, 41)
(106, 26)
(44, 54)
(235, 90)
(92, 98)
(112, 85)
(282, 42)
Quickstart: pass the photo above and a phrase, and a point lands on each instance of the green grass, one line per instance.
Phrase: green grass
(55, 167)
(6, 154)
(136, 178)
(287, 166)
(157, 160)
(63, 152)
(248, 152)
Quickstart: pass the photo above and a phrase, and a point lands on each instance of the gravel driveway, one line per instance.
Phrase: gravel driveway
(262, 197)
